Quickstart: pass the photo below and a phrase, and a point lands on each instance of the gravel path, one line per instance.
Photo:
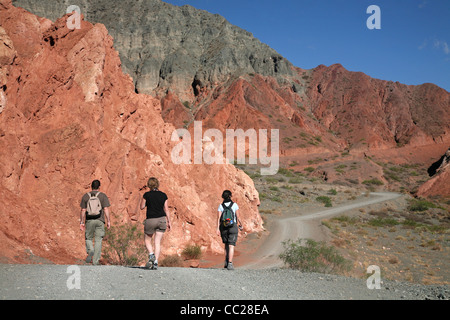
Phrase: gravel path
(304, 227)
(262, 281)
(124, 283)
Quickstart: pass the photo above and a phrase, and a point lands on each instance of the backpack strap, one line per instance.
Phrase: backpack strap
(91, 196)
(231, 208)
(224, 205)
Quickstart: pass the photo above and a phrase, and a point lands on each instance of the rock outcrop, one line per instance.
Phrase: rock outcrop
(70, 115)
(439, 184)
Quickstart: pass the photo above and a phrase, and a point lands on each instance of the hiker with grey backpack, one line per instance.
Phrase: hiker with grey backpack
(228, 226)
(93, 216)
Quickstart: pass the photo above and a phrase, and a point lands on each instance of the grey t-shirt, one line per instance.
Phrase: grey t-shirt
(103, 200)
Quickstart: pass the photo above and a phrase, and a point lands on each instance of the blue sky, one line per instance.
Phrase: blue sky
(412, 46)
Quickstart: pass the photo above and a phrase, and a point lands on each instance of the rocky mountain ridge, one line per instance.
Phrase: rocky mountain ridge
(203, 68)
(165, 47)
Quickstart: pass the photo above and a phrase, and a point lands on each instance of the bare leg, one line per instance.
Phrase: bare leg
(158, 237)
(148, 243)
(227, 250)
(230, 253)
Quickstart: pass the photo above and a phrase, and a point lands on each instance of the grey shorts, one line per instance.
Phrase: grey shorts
(229, 235)
(155, 225)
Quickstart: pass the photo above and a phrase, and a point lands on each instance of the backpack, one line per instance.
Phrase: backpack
(228, 216)
(94, 206)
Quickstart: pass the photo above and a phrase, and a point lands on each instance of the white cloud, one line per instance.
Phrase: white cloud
(423, 45)
(423, 4)
(442, 45)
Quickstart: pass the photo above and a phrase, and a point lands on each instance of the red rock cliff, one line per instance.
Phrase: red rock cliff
(69, 115)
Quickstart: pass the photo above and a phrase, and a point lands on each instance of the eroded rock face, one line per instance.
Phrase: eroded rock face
(73, 116)
(379, 114)
(7, 56)
(438, 185)
(168, 47)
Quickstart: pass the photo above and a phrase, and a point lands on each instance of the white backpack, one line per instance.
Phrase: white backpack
(94, 206)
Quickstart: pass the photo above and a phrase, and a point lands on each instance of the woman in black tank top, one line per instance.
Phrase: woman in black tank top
(157, 221)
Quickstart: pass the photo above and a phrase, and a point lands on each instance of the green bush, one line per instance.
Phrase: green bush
(383, 222)
(124, 245)
(325, 200)
(374, 182)
(310, 256)
(276, 199)
(332, 192)
(192, 252)
(420, 205)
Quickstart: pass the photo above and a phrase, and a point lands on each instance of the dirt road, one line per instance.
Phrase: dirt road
(304, 226)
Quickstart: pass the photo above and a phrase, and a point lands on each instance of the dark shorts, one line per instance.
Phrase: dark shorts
(229, 235)
(155, 225)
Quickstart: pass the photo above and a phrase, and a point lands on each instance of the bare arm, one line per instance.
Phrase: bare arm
(238, 221)
(166, 210)
(108, 220)
(143, 203)
(218, 222)
(82, 218)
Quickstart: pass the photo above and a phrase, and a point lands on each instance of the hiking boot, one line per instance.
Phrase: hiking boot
(155, 266)
(150, 262)
(230, 266)
(226, 265)
(89, 257)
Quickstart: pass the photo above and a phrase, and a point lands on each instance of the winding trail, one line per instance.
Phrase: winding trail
(305, 226)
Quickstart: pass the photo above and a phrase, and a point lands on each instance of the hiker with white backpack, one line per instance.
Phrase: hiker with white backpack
(227, 226)
(93, 216)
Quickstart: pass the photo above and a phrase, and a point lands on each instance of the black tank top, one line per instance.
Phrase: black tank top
(154, 201)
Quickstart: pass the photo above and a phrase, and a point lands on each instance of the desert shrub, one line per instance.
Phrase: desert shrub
(295, 180)
(308, 255)
(271, 180)
(373, 182)
(276, 199)
(382, 222)
(124, 245)
(420, 205)
(346, 219)
(332, 192)
(286, 172)
(172, 261)
(192, 252)
(325, 200)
